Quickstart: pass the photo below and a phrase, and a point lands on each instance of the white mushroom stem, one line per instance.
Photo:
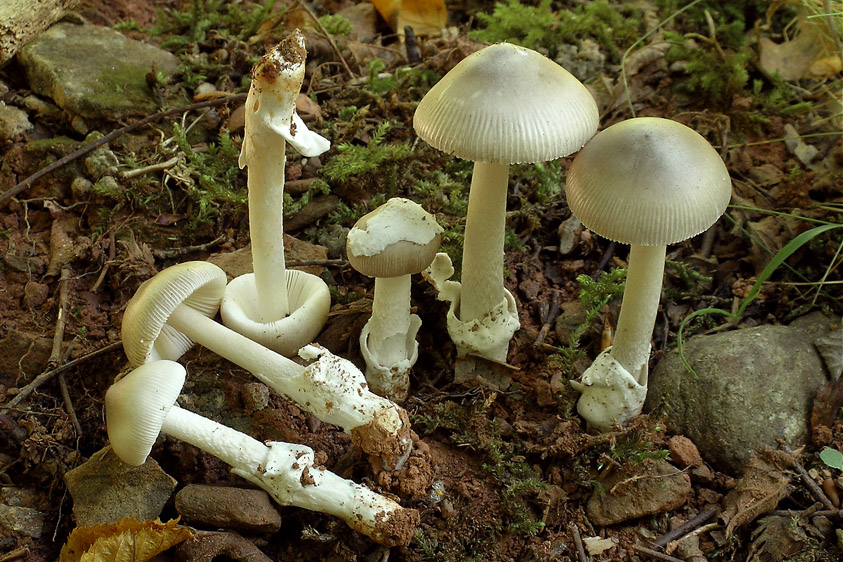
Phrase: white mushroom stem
(390, 321)
(631, 346)
(266, 224)
(482, 262)
(287, 472)
(331, 389)
(270, 122)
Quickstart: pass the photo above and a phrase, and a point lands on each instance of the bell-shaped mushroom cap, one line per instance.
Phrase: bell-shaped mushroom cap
(136, 406)
(648, 182)
(146, 337)
(398, 238)
(507, 104)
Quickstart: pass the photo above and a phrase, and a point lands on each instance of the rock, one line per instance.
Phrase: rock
(830, 347)
(22, 20)
(228, 508)
(81, 188)
(655, 486)
(754, 386)
(24, 353)
(13, 122)
(209, 546)
(683, 451)
(35, 294)
(94, 72)
(106, 490)
(23, 520)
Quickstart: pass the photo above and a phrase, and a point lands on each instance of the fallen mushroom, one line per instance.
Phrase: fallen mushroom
(499, 106)
(172, 310)
(143, 403)
(281, 309)
(647, 182)
(391, 243)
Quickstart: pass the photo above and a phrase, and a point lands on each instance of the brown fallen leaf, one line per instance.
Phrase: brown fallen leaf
(765, 482)
(127, 540)
(426, 17)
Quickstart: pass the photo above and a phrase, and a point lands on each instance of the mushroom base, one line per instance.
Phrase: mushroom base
(610, 393)
(310, 302)
(391, 381)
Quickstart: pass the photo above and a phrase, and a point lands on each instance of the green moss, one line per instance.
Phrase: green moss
(541, 28)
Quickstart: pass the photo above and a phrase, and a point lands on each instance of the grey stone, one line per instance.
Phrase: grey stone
(13, 122)
(81, 187)
(100, 162)
(754, 386)
(23, 520)
(94, 72)
(830, 347)
(106, 490)
(645, 488)
(228, 508)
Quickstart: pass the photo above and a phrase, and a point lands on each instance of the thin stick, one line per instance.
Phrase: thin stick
(107, 264)
(327, 35)
(17, 553)
(178, 252)
(809, 482)
(46, 376)
(578, 542)
(552, 313)
(654, 553)
(685, 528)
(27, 183)
(56, 355)
(128, 174)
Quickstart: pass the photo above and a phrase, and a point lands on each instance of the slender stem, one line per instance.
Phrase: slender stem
(265, 364)
(235, 448)
(390, 320)
(266, 224)
(631, 347)
(482, 261)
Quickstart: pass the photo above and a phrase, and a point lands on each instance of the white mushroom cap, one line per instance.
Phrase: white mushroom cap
(137, 405)
(507, 104)
(398, 238)
(648, 182)
(146, 337)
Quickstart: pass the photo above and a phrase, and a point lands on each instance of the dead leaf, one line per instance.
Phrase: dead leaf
(426, 17)
(125, 541)
(765, 482)
(62, 249)
(811, 53)
(306, 107)
(777, 538)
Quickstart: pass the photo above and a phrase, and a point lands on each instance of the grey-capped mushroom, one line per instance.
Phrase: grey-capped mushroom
(647, 182)
(502, 105)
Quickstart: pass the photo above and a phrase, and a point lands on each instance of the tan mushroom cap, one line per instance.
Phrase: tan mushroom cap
(146, 335)
(137, 405)
(398, 238)
(648, 181)
(507, 104)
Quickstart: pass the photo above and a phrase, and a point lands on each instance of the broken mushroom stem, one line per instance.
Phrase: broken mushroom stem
(172, 310)
(145, 398)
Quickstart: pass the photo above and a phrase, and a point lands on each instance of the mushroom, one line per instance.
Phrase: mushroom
(173, 309)
(647, 182)
(143, 403)
(279, 308)
(499, 106)
(391, 243)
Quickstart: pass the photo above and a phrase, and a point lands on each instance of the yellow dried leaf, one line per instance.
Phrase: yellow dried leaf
(125, 541)
(426, 17)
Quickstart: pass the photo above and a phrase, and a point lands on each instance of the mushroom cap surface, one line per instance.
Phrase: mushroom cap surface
(507, 104)
(137, 405)
(398, 238)
(146, 335)
(648, 181)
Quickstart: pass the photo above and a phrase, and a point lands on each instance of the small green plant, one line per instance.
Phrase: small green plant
(211, 175)
(540, 28)
(832, 458)
(192, 25)
(774, 264)
(403, 78)
(355, 161)
(336, 24)
(594, 295)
